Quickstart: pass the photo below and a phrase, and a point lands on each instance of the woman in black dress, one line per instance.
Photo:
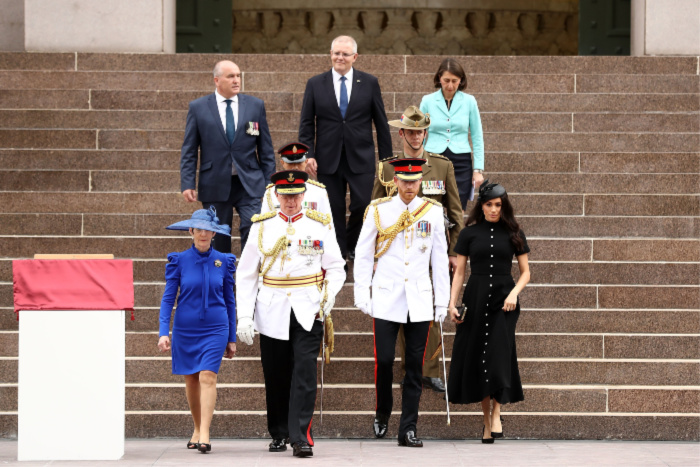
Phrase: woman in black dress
(484, 361)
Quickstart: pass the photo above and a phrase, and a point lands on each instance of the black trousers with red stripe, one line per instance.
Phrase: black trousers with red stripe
(416, 334)
(290, 369)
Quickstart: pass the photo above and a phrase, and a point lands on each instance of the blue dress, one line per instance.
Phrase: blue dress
(205, 318)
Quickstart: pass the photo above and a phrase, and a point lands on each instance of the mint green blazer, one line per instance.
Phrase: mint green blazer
(451, 128)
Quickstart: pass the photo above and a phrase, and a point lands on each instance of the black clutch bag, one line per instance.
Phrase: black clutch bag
(462, 312)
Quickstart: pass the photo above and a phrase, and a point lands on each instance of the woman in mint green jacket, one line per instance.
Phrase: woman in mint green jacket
(453, 116)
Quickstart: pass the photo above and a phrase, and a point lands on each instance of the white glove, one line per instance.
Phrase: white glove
(328, 306)
(245, 331)
(365, 307)
(440, 313)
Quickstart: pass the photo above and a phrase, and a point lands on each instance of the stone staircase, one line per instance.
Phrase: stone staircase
(601, 156)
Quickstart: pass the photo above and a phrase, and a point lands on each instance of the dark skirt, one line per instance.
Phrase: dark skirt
(463, 173)
(484, 360)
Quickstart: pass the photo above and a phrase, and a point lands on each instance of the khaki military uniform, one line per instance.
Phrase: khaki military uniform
(437, 169)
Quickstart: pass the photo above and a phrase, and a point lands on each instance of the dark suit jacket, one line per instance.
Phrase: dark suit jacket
(253, 156)
(323, 129)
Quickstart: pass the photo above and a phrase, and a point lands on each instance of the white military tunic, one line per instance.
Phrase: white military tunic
(401, 285)
(270, 306)
(315, 193)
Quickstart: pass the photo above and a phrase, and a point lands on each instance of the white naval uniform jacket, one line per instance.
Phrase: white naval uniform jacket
(314, 193)
(401, 284)
(270, 307)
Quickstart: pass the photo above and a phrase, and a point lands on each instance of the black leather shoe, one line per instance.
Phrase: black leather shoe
(302, 449)
(381, 424)
(410, 440)
(435, 384)
(279, 444)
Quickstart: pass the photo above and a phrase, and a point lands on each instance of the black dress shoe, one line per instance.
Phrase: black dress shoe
(302, 449)
(435, 384)
(410, 440)
(279, 444)
(381, 424)
(498, 434)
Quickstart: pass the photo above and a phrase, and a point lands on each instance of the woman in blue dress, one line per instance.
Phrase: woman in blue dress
(204, 328)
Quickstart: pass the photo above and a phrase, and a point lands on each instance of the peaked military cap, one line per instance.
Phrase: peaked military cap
(294, 152)
(290, 182)
(409, 169)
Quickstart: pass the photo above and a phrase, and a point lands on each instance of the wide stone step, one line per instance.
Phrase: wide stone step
(542, 297)
(169, 181)
(160, 140)
(467, 427)
(550, 346)
(589, 321)
(361, 371)
(370, 63)
(351, 398)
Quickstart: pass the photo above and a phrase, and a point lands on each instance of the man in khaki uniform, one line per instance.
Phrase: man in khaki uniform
(438, 184)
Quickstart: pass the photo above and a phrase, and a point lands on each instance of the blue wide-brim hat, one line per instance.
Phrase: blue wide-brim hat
(203, 219)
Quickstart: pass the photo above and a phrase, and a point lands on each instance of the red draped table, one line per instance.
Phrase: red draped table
(71, 378)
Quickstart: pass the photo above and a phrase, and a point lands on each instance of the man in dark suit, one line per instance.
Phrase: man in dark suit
(336, 123)
(236, 158)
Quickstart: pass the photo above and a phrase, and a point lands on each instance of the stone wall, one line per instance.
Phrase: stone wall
(441, 27)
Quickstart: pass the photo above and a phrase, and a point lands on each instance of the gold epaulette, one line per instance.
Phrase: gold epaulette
(324, 219)
(318, 184)
(380, 200)
(439, 156)
(430, 200)
(263, 217)
(375, 203)
(269, 186)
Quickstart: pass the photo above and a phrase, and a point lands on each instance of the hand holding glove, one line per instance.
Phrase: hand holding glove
(245, 331)
(440, 313)
(330, 301)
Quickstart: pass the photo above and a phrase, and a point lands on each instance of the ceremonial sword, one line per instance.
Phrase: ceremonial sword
(444, 373)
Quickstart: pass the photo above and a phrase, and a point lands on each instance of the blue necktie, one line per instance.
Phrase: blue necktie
(343, 96)
(230, 127)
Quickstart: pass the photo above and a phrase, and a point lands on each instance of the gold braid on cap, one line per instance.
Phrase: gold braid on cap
(389, 186)
(274, 252)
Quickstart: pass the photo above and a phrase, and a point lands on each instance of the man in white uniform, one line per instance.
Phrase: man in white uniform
(294, 157)
(406, 234)
(289, 249)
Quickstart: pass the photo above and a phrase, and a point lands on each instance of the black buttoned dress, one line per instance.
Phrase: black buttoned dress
(484, 360)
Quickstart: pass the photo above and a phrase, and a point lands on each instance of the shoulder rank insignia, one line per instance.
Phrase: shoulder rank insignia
(263, 217)
(380, 200)
(436, 203)
(324, 219)
(392, 157)
(438, 156)
(269, 186)
(318, 184)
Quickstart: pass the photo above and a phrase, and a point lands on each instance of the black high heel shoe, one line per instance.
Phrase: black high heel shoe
(192, 445)
(486, 440)
(498, 434)
(204, 447)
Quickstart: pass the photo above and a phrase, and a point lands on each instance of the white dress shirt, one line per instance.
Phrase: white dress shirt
(271, 307)
(337, 81)
(221, 104)
(401, 285)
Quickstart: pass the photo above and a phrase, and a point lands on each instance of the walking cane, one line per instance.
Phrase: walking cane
(444, 372)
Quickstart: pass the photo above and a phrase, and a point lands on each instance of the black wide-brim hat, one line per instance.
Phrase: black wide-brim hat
(203, 219)
(289, 182)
